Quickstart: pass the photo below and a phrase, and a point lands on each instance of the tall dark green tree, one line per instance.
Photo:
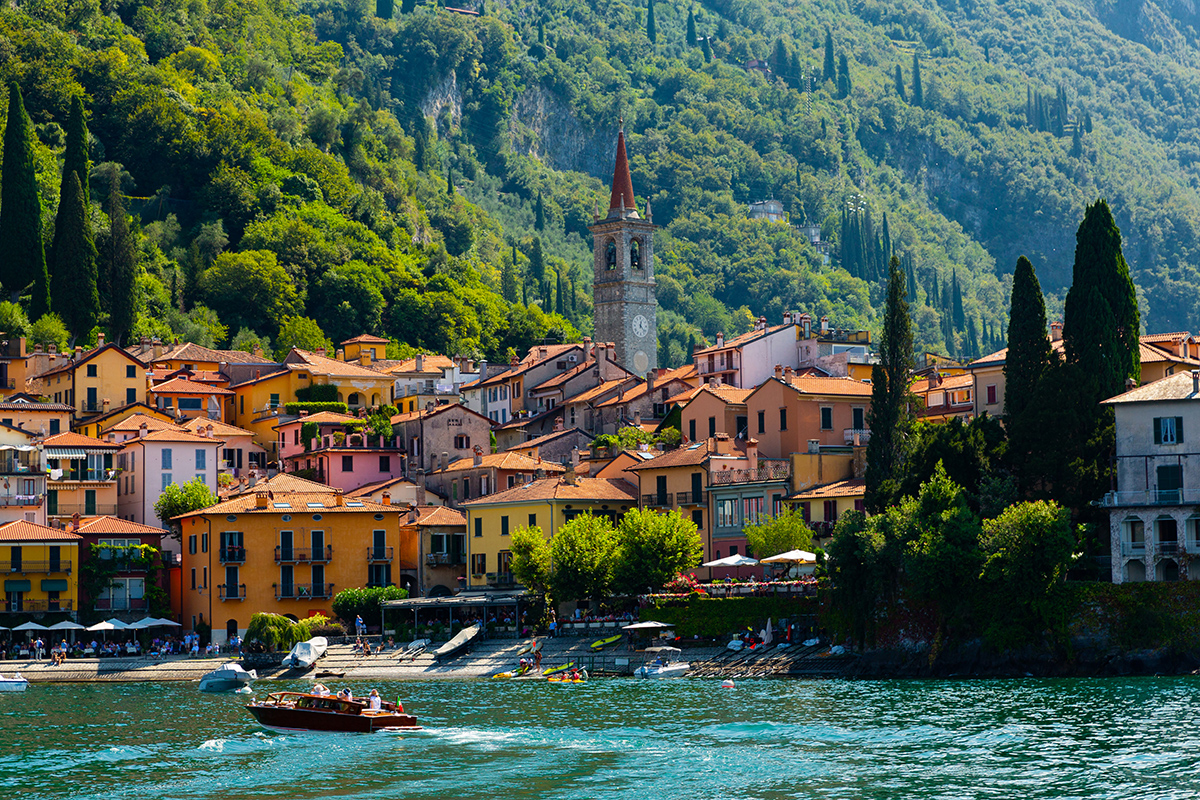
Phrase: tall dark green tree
(903, 95)
(960, 316)
(706, 48)
(843, 76)
(408, 6)
(75, 156)
(651, 30)
(691, 28)
(889, 417)
(449, 180)
(384, 8)
(829, 71)
(21, 211)
(73, 279)
(539, 213)
(537, 263)
(918, 93)
(1025, 365)
(121, 266)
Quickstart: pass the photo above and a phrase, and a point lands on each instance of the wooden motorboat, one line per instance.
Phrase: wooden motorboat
(297, 711)
(461, 641)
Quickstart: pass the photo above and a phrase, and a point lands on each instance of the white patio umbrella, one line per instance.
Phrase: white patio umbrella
(31, 626)
(170, 623)
(646, 626)
(738, 560)
(117, 625)
(104, 626)
(144, 622)
(67, 625)
(792, 557)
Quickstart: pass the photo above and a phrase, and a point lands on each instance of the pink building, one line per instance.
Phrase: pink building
(288, 431)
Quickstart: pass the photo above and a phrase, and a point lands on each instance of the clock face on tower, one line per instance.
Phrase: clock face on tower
(641, 326)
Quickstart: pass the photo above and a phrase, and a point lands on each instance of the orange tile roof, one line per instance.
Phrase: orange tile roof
(688, 456)
(85, 357)
(504, 460)
(531, 360)
(431, 364)
(304, 502)
(661, 382)
(22, 531)
(850, 488)
(371, 488)
(219, 428)
(134, 422)
(189, 351)
(323, 365)
(410, 416)
(75, 440)
(743, 339)
(431, 516)
(285, 482)
(834, 386)
(184, 386)
(106, 524)
(366, 338)
(726, 394)
(613, 490)
(174, 435)
(1164, 337)
(549, 437)
(604, 388)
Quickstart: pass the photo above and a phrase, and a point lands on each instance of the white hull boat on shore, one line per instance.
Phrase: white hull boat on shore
(14, 684)
(305, 654)
(227, 677)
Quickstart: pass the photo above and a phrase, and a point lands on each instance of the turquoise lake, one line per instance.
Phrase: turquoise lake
(1068, 738)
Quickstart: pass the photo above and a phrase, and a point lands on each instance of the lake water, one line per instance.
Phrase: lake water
(1135, 738)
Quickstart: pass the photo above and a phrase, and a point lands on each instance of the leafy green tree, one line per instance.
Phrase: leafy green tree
(21, 210)
(76, 297)
(829, 72)
(13, 320)
(918, 93)
(180, 498)
(583, 553)
(653, 548)
(250, 288)
(860, 573)
(1026, 362)
(49, 330)
(247, 341)
(120, 263)
(968, 452)
(530, 558)
(366, 602)
(890, 414)
(651, 30)
(779, 534)
(302, 333)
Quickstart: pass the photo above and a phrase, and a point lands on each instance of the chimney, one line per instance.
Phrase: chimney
(304, 412)
(814, 446)
(143, 429)
(387, 498)
(339, 354)
(568, 478)
(779, 371)
(208, 431)
(258, 352)
(78, 352)
(1056, 331)
(824, 325)
(419, 498)
(720, 339)
(637, 419)
(788, 374)
(575, 456)
(512, 362)
(53, 348)
(1196, 381)
(260, 500)
(558, 423)
(157, 347)
(37, 348)
(339, 499)
(478, 456)
(100, 339)
(252, 479)
(752, 454)
(787, 318)
(761, 325)
(445, 460)
(364, 358)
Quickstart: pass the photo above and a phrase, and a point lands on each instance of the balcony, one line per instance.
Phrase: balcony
(1169, 547)
(83, 510)
(22, 499)
(233, 555)
(304, 591)
(380, 554)
(660, 500)
(1133, 548)
(776, 469)
(689, 498)
(121, 604)
(47, 567)
(444, 559)
(501, 579)
(231, 591)
(295, 555)
(1153, 497)
(863, 434)
(91, 408)
(36, 606)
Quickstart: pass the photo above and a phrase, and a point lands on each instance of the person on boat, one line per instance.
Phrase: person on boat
(320, 690)
(346, 694)
(373, 701)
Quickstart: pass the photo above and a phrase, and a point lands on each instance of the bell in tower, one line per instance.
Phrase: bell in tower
(623, 281)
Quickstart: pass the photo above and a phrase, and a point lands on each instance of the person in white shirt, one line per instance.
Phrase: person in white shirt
(373, 701)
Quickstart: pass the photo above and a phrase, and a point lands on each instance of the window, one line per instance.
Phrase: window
(166, 480)
(533, 520)
(859, 419)
(697, 486)
(726, 513)
(204, 543)
(478, 563)
(712, 426)
(1168, 430)
(776, 505)
(192, 544)
(91, 370)
(504, 525)
(752, 510)
(185, 403)
(462, 442)
(347, 463)
(991, 394)
(741, 425)
(385, 463)
(274, 401)
(1170, 483)
(478, 526)
(733, 548)
(692, 430)
(826, 418)
(783, 419)
(204, 578)
(610, 255)
(201, 459)
(130, 371)
(830, 511)
(53, 426)
(131, 397)
(193, 577)
(635, 254)
(166, 458)
(762, 422)
(466, 494)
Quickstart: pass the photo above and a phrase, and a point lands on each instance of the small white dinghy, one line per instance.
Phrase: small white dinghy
(14, 684)
(227, 677)
(662, 666)
(305, 654)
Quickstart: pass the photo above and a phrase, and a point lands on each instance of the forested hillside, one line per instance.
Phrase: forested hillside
(304, 170)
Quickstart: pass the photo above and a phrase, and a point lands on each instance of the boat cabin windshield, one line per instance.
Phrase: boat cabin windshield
(328, 704)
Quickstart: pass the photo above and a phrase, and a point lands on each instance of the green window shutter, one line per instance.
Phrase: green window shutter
(1158, 430)
(18, 586)
(54, 585)
(1179, 430)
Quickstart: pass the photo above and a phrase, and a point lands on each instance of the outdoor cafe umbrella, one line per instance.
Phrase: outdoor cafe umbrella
(31, 626)
(792, 557)
(737, 561)
(67, 625)
(168, 622)
(107, 626)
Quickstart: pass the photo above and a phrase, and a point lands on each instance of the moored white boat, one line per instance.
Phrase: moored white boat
(305, 654)
(14, 684)
(227, 677)
(663, 666)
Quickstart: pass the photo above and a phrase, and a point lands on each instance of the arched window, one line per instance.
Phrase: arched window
(1135, 572)
(610, 255)
(352, 400)
(635, 254)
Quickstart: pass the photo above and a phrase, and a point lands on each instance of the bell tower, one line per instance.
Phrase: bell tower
(623, 282)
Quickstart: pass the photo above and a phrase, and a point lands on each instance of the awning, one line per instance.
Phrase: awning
(18, 586)
(66, 452)
(54, 585)
(463, 599)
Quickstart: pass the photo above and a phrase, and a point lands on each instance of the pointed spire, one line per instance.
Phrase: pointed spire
(622, 183)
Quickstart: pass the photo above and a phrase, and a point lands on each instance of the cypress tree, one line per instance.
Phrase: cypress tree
(407, 6)
(900, 84)
(21, 211)
(384, 9)
(918, 94)
(539, 213)
(571, 294)
(537, 262)
(121, 265)
(450, 180)
(1077, 140)
(691, 29)
(843, 76)
(1026, 362)
(960, 317)
(560, 305)
(779, 59)
(651, 30)
(706, 48)
(76, 298)
(541, 32)
(829, 73)
(890, 414)
(796, 73)
(508, 281)
(934, 300)
(75, 156)
(420, 142)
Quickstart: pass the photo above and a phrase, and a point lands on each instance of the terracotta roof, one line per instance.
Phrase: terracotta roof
(689, 456)
(123, 409)
(600, 489)
(194, 352)
(75, 440)
(948, 384)
(426, 413)
(1173, 387)
(371, 488)
(598, 391)
(290, 503)
(660, 382)
(503, 460)
(321, 418)
(184, 386)
(1151, 338)
(104, 525)
(1149, 354)
(726, 394)
(850, 488)
(366, 338)
(563, 377)
(743, 339)
(275, 373)
(549, 437)
(323, 365)
(86, 357)
(830, 386)
(23, 405)
(431, 364)
(198, 375)
(430, 516)
(622, 184)
(134, 422)
(22, 531)
(531, 360)
(220, 428)
(285, 482)
(174, 435)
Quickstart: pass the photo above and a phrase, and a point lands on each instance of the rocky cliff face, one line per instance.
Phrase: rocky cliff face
(544, 127)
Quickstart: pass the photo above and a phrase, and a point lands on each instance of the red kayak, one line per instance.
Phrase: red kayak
(296, 711)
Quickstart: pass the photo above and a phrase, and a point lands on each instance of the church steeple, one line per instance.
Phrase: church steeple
(622, 203)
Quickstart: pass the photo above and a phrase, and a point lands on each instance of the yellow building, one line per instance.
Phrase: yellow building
(548, 503)
(94, 383)
(13, 364)
(82, 478)
(41, 568)
(823, 506)
(97, 427)
(285, 553)
(373, 347)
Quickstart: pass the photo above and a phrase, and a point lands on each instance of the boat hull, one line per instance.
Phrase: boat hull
(660, 673)
(9, 685)
(286, 718)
